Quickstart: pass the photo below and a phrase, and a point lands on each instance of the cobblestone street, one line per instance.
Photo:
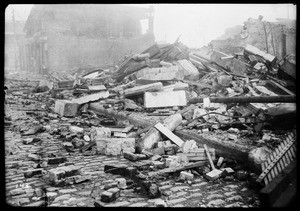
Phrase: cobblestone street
(21, 191)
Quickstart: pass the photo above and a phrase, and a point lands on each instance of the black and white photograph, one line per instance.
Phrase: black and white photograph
(150, 105)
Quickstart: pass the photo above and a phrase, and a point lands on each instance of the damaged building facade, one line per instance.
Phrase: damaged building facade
(68, 37)
(277, 38)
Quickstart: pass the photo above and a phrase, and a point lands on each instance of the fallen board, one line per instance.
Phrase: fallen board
(165, 99)
(90, 98)
(169, 134)
(97, 88)
(174, 169)
(144, 88)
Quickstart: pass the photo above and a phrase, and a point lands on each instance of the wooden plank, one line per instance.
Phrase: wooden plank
(169, 134)
(165, 99)
(90, 98)
(180, 168)
(116, 129)
(127, 129)
(86, 147)
(144, 88)
(97, 88)
(119, 134)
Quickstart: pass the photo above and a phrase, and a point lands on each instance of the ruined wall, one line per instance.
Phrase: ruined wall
(69, 52)
(261, 34)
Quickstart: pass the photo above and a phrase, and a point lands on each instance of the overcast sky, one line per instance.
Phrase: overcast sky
(198, 24)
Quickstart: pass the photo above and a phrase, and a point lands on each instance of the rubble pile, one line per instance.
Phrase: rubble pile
(145, 113)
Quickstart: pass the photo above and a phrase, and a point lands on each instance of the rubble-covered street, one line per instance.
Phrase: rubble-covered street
(168, 126)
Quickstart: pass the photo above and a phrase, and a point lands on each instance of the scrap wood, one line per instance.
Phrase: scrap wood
(249, 99)
(175, 169)
(169, 134)
(215, 173)
(92, 97)
(88, 146)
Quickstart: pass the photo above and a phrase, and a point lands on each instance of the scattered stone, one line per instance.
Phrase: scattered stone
(99, 132)
(76, 129)
(242, 175)
(86, 138)
(78, 143)
(184, 175)
(121, 183)
(189, 145)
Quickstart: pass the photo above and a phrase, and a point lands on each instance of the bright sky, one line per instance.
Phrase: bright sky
(198, 24)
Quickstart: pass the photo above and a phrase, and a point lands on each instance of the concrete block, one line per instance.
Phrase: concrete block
(65, 108)
(113, 147)
(128, 145)
(101, 146)
(214, 174)
(165, 99)
(186, 175)
(99, 132)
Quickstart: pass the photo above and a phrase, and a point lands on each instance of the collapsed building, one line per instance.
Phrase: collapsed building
(68, 37)
(168, 126)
